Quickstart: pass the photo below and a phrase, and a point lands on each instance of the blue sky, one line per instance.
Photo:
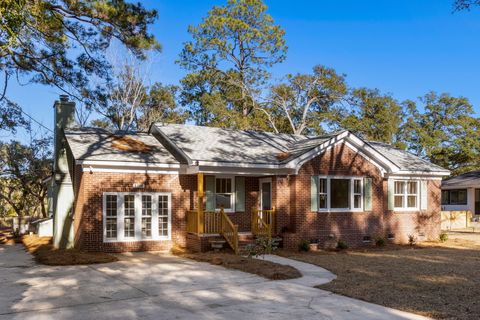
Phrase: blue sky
(405, 48)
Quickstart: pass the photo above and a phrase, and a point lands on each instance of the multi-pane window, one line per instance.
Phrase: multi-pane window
(322, 194)
(399, 194)
(454, 197)
(146, 216)
(405, 194)
(162, 215)
(357, 193)
(136, 216)
(111, 216)
(340, 194)
(129, 215)
(412, 192)
(223, 193)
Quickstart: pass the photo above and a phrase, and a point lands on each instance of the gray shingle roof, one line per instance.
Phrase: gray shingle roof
(226, 145)
(96, 144)
(403, 159)
(468, 179)
(220, 145)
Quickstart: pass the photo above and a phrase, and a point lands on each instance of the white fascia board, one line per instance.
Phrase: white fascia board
(222, 164)
(433, 174)
(245, 171)
(354, 143)
(113, 164)
(366, 148)
(128, 170)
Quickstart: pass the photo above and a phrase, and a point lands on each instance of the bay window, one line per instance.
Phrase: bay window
(137, 216)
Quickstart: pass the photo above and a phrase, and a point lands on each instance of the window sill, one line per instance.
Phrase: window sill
(136, 240)
(341, 210)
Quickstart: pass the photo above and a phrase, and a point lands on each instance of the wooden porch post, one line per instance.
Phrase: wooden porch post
(200, 197)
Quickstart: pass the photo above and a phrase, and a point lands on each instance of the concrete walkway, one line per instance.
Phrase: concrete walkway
(159, 286)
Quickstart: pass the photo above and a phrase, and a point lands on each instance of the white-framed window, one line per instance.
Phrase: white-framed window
(146, 216)
(405, 194)
(224, 193)
(340, 193)
(136, 216)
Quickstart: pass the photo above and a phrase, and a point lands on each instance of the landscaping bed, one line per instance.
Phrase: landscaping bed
(45, 253)
(263, 268)
(438, 280)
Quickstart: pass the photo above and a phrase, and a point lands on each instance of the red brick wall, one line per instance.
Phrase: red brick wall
(89, 189)
(89, 214)
(351, 227)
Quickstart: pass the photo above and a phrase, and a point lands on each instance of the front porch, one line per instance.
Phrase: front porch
(205, 225)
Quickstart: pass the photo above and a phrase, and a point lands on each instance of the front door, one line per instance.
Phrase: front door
(265, 194)
(477, 201)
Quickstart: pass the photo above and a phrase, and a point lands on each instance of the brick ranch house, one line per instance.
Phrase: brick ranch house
(186, 184)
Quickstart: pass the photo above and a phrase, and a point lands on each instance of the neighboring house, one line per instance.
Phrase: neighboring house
(462, 193)
(186, 185)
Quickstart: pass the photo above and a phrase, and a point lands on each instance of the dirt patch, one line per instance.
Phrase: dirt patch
(432, 279)
(266, 269)
(45, 253)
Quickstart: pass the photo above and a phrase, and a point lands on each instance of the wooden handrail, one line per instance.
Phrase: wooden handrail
(213, 222)
(263, 222)
(229, 231)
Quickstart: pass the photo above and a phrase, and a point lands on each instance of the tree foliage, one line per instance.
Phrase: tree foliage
(22, 170)
(446, 132)
(306, 103)
(373, 115)
(62, 42)
(229, 57)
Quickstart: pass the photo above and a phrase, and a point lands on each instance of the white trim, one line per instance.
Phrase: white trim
(112, 170)
(260, 181)
(138, 217)
(138, 164)
(351, 200)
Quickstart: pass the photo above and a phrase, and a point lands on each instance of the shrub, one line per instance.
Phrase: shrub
(261, 246)
(304, 246)
(342, 245)
(380, 242)
(412, 240)
(443, 237)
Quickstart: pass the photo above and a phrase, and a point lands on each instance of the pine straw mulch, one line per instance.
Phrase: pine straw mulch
(6, 237)
(438, 280)
(45, 253)
(263, 268)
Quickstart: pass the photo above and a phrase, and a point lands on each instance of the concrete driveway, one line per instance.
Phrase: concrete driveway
(155, 286)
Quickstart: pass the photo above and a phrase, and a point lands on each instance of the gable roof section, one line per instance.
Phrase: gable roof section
(217, 147)
(92, 145)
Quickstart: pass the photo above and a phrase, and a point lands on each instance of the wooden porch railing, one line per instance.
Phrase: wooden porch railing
(263, 222)
(212, 222)
(229, 231)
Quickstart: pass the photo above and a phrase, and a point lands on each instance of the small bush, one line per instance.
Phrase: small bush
(412, 240)
(304, 246)
(262, 246)
(342, 245)
(443, 237)
(380, 242)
